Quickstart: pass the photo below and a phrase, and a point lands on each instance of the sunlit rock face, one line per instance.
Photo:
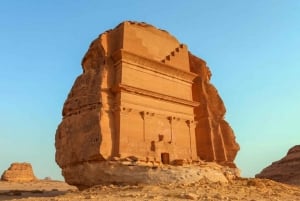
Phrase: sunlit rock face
(286, 170)
(19, 172)
(142, 95)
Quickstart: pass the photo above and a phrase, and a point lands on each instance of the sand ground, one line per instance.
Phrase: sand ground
(42, 189)
(240, 189)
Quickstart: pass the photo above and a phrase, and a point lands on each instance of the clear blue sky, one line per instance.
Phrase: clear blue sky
(252, 48)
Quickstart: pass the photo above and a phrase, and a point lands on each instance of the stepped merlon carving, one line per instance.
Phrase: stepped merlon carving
(177, 58)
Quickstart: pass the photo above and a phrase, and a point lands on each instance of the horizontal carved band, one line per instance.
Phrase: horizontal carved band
(153, 65)
(155, 95)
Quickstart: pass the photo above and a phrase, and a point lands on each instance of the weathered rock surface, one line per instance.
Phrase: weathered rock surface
(19, 172)
(131, 174)
(204, 190)
(286, 170)
(215, 138)
(141, 95)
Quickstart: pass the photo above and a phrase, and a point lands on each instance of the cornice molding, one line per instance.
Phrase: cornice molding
(144, 92)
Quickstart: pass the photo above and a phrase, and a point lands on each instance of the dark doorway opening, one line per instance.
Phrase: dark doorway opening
(165, 158)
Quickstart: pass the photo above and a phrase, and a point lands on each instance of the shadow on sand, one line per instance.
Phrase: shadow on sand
(19, 194)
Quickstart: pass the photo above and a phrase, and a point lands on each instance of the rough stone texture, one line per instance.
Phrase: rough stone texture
(142, 94)
(215, 138)
(19, 172)
(118, 173)
(286, 170)
(202, 190)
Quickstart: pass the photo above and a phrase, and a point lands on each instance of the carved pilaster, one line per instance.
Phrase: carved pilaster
(146, 116)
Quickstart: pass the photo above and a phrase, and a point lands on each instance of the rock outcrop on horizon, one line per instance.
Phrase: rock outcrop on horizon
(142, 96)
(286, 170)
(19, 172)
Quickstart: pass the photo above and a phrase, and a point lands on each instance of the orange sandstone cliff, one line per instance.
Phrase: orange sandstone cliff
(215, 138)
(141, 95)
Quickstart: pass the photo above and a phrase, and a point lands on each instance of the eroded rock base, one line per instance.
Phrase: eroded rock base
(115, 172)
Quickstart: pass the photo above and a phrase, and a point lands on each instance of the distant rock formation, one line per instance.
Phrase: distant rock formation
(141, 95)
(286, 170)
(19, 172)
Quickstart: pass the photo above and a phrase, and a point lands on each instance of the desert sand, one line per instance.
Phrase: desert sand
(42, 189)
(239, 189)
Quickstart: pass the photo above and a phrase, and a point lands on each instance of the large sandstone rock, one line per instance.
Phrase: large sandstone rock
(286, 170)
(19, 172)
(142, 95)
